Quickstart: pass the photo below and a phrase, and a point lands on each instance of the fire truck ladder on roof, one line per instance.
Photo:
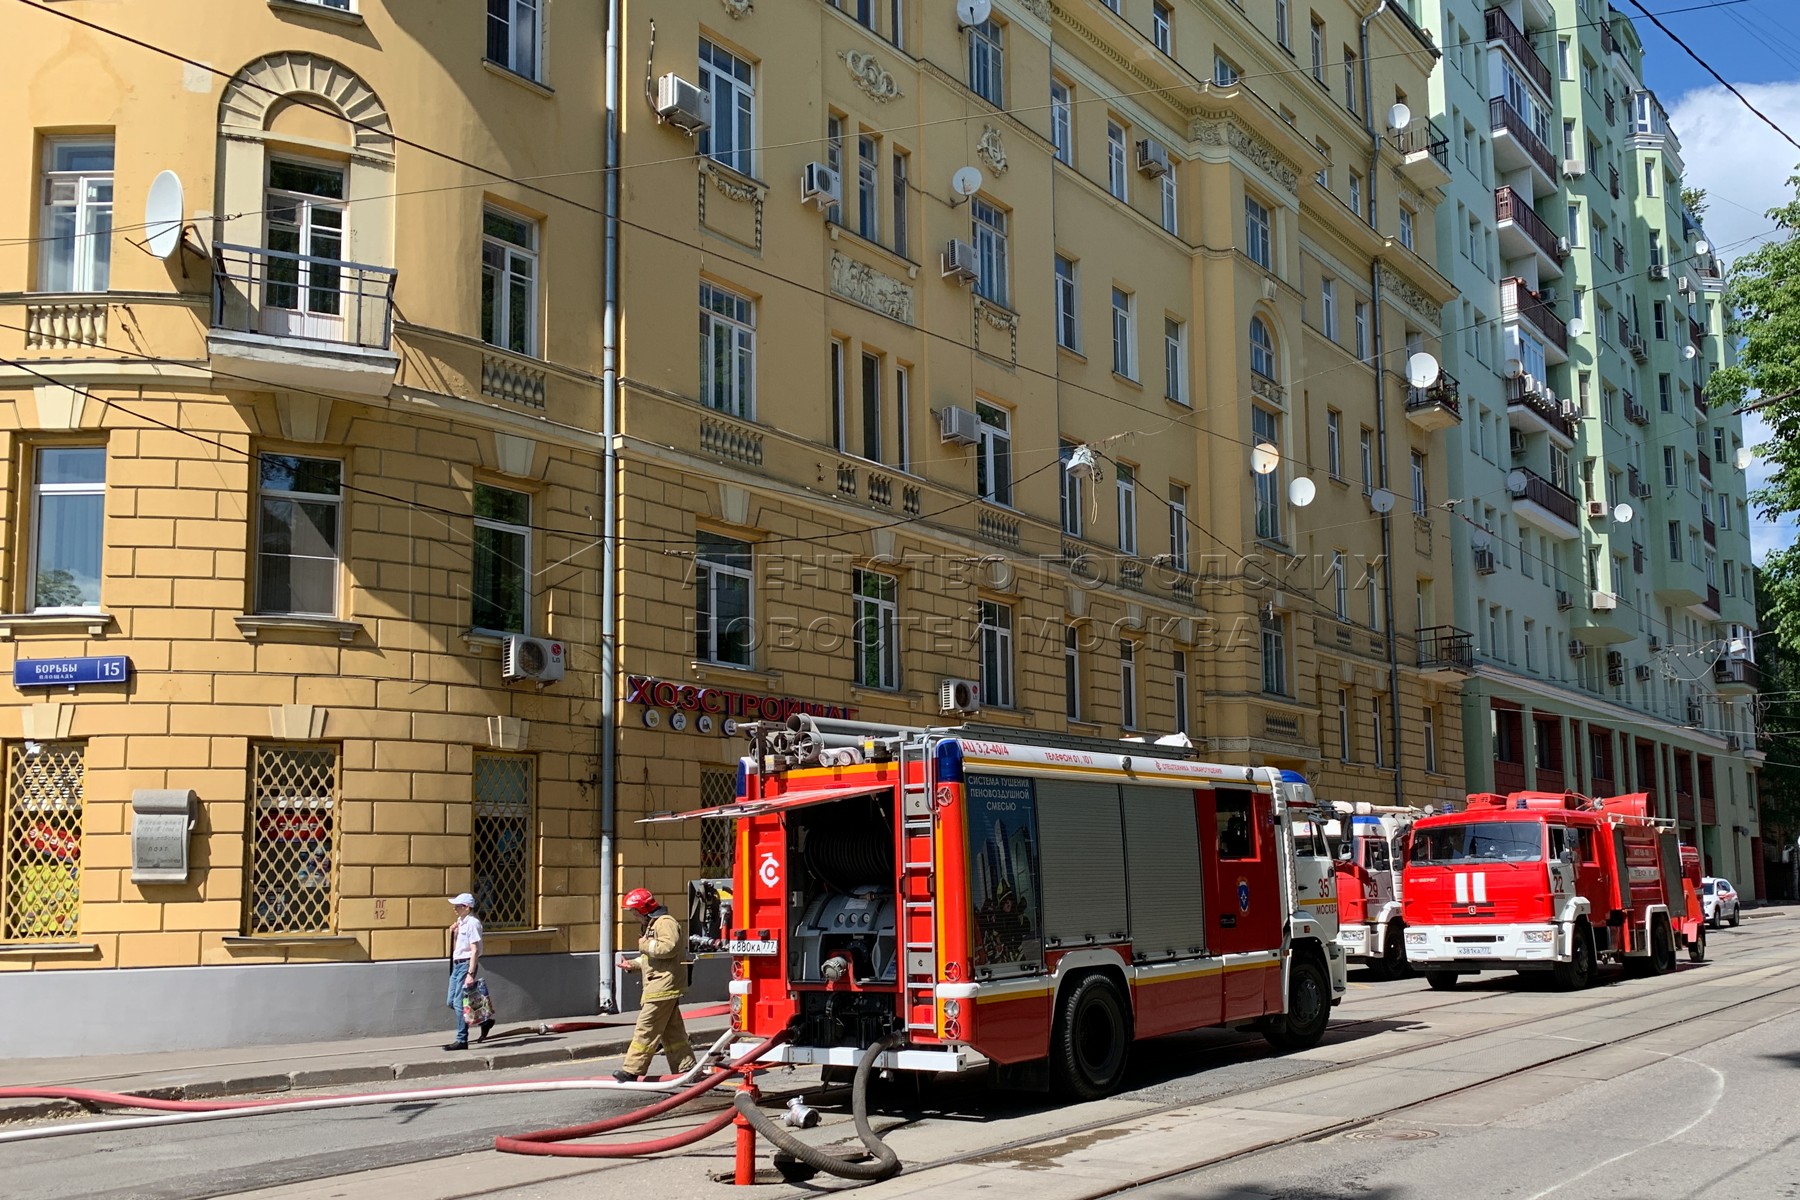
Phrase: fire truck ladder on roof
(918, 887)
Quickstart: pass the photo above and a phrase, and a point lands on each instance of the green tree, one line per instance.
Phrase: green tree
(1778, 658)
(1694, 200)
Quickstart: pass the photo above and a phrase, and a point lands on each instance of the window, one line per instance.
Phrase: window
(1225, 72)
(1665, 393)
(877, 630)
(1430, 715)
(1174, 360)
(722, 600)
(1334, 443)
(1262, 348)
(1067, 310)
(1380, 749)
(1323, 175)
(1318, 50)
(1562, 59)
(731, 82)
(1072, 672)
(1350, 79)
(839, 417)
(1127, 495)
(509, 298)
(500, 576)
(1274, 655)
(902, 230)
(514, 35)
(1162, 18)
(1265, 427)
(1356, 193)
(1675, 541)
(1340, 585)
(1178, 527)
(40, 842)
(1418, 484)
(1345, 748)
(989, 231)
(1359, 320)
(1062, 122)
(303, 295)
(1179, 686)
(1128, 700)
(1124, 337)
(1256, 234)
(996, 654)
(1117, 175)
(77, 220)
(292, 887)
(1236, 828)
(871, 407)
(1659, 319)
(501, 836)
(1282, 23)
(834, 158)
(987, 63)
(1328, 307)
(1407, 220)
(1366, 453)
(1073, 489)
(68, 514)
(1171, 200)
(727, 351)
(902, 418)
(1669, 459)
(299, 517)
(868, 179)
(993, 455)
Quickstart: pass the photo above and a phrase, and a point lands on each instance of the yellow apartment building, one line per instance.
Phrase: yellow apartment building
(310, 604)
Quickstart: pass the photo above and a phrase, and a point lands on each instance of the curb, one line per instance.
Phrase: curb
(1753, 914)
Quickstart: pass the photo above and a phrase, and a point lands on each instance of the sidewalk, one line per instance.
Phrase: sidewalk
(257, 1070)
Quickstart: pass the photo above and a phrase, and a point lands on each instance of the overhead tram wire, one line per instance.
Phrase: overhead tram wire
(1689, 50)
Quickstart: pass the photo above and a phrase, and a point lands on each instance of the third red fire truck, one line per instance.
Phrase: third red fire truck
(1370, 887)
(1547, 881)
(1033, 905)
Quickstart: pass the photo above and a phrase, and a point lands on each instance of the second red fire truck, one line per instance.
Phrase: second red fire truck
(1548, 881)
(1033, 906)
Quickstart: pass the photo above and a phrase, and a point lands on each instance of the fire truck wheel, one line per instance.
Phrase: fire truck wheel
(1092, 1039)
(1578, 972)
(1308, 1007)
(1441, 981)
(1697, 947)
(1393, 953)
(1660, 960)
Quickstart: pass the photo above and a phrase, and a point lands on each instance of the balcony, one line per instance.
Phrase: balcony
(1606, 36)
(1500, 29)
(1612, 181)
(1516, 146)
(1712, 600)
(1736, 673)
(1534, 411)
(1709, 532)
(1446, 651)
(1424, 153)
(1517, 300)
(1705, 466)
(1539, 502)
(1612, 109)
(1697, 334)
(302, 322)
(1636, 484)
(1524, 234)
(1638, 558)
(1636, 413)
(1436, 407)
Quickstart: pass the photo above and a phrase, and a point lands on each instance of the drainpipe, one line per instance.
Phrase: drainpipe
(609, 516)
(1381, 435)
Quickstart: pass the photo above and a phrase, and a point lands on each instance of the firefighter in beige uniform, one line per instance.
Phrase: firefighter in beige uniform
(659, 1018)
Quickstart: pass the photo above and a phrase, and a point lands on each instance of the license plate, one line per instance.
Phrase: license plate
(753, 946)
(1475, 951)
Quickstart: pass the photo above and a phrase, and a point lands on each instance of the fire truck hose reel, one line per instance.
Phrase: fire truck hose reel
(885, 1163)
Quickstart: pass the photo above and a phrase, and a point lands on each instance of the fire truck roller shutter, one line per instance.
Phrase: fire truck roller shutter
(1082, 847)
(1162, 844)
(1674, 895)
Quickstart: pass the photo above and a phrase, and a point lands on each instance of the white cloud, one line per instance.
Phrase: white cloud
(1744, 167)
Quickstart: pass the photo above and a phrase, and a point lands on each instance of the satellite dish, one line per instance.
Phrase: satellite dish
(1745, 456)
(1301, 492)
(1514, 368)
(1381, 500)
(1421, 368)
(973, 12)
(1623, 514)
(967, 181)
(1688, 352)
(1515, 481)
(1264, 458)
(1399, 117)
(163, 215)
(1577, 327)
(1700, 246)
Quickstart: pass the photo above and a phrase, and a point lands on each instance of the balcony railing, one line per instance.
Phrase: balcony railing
(1540, 405)
(1712, 597)
(1737, 671)
(1612, 109)
(1705, 465)
(1636, 413)
(281, 294)
(1446, 648)
(1709, 531)
(1503, 116)
(1510, 206)
(1446, 392)
(1637, 485)
(1424, 136)
(1612, 183)
(1638, 558)
(1606, 36)
(1518, 299)
(1500, 28)
(1696, 333)
(1546, 495)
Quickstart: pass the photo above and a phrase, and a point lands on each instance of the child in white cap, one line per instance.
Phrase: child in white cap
(465, 959)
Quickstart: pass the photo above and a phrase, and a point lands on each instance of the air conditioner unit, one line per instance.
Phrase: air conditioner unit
(1548, 295)
(821, 185)
(1732, 743)
(959, 696)
(1577, 648)
(1615, 676)
(1655, 644)
(1564, 600)
(1485, 563)
(961, 263)
(1596, 510)
(1153, 160)
(1574, 168)
(1517, 441)
(1615, 660)
(1562, 245)
(1604, 602)
(1659, 271)
(524, 657)
(1642, 671)
(1684, 285)
(959, 425)
(1694, 714)
(683, 105)
(1530, 384)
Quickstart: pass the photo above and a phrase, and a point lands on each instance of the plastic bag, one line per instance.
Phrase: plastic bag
(477, 1006)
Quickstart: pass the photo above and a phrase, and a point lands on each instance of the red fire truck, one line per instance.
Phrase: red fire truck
(1546, 881)
(1033, 905)
(1370, 885)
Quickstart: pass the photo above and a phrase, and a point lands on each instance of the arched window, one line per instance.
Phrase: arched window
(1262, 348)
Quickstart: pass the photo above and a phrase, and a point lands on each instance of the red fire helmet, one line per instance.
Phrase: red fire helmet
(640, 900)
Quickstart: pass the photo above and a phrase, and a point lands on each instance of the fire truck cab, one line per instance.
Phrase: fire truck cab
(1370, 885)
(1544, 881)
(1033, 906)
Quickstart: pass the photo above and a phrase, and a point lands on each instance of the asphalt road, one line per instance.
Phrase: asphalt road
(1681, 1086)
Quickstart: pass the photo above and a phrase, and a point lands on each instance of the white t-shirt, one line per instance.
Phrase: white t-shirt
(468, 936)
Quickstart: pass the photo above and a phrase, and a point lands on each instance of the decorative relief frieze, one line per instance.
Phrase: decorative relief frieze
(741, 190)
(991, 150)
(871, 76)
(870, 288)
(1218, 129)
(1037, 8)
(738, 9)
(1409, 295)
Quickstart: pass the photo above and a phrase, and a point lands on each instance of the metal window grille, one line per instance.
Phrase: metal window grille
(293, 877)
(40, 850)
(501, 841)
(718, 848)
